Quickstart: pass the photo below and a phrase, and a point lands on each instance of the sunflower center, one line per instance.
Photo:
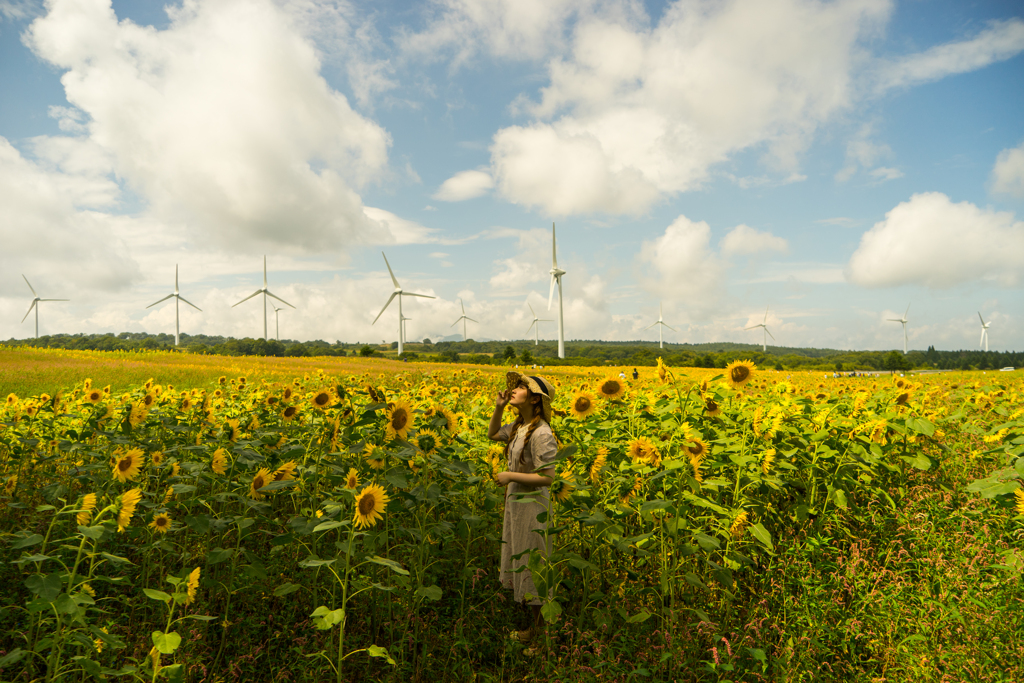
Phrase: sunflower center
(711, 405)
(582, 404)
(321, 399)
(903, 398)
(740, 373)
(610, 387)
(366, 504)
(289, 411)
(161, 521)
(257, 483)
(124, 464)
(400, 419)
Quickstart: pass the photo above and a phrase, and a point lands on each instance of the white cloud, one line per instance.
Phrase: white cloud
(929, 240)
(886, 173)
(644, 113)
(1000, 41)
(1008, 173)
(744, 239)
(464, 185)
(222, 121)
(680, 266)
(399, 230)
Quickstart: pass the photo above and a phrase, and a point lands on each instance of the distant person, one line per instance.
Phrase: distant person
(636, 375)
(622, 374)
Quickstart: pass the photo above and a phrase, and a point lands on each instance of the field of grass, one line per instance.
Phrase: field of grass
(208, 519)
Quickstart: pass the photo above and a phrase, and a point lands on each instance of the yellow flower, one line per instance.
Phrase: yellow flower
(261, 479)
(320, 400)
(427, 441)
(126, 468)
(712, 408)
(192, 586)
(370, 504)
(768, 460)
(128, 502)
(154, 655)
(739, 372)
(289, 413)
(583, 405)
(157, 458)
(169, 495)
(739, 525)
(599, 463)
(1018, 494)
(611, 387)
(643, 450)
(11, 484)
(93, 396)
(85, 511)
(138, 415)
(231, 426)
(662, 369)
(161, 522)
(561, 490)
(352, 481)
(286, 471)
(220, 461)
(374, 456)
(399, 420)
(12, 398)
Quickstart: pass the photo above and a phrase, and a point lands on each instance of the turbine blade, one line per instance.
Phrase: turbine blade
(670, 327)
(169, 296)
(190, 303)
(29, 308)
(393, 279)
(551, 293)
(532, 312)
(55, 299)
(895, 320)
(650, 326)
(422, 296)
(463, 304)
(175, 278)
(981, 319)
(258, 291)
(279, 299)
(471, 320)
(554, 251)
(766, 316)
(264, 271)
(29, 285)
(906, 311)
(531, 326)
(456, 322)
(753, 327)
(390, 299)
(770, 334)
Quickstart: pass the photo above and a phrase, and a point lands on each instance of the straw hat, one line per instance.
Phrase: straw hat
(536, 385)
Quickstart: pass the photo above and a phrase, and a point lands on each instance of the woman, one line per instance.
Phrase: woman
(530, 449)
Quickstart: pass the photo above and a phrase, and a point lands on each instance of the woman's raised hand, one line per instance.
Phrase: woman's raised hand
(501, 400)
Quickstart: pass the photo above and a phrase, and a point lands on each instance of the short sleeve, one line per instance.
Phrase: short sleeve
(543, 447)
(504, 433)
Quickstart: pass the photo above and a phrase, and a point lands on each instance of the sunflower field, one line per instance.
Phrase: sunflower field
(707, 525)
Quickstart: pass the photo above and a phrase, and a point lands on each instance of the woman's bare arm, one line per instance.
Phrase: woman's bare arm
(499, 407)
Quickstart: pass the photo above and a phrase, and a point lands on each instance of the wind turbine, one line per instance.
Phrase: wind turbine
(904, 321)
(534, 326)
(661, 323)
(556, 277)
(265, 292)
(177, 297)
(35, 304)
(399, 293)
(277, 319)
(984, 331)
(464, 318)
(764, 324)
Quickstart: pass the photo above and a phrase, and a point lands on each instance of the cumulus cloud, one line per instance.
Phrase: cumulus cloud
(221, 121)
(680, 265)
(1008, 173)
(464, 185)
(638, 113)
(744, 239)
(1000, 41)
(929, 240)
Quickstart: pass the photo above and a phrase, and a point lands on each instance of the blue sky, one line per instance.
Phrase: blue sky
(835, 162)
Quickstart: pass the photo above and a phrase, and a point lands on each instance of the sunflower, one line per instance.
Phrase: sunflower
(168, 495)
(739, 372)
(370, 504)
(642, 450)
(220, 461)
(352, 481)
(427, 441)
(261, 479)
(287, 393)
(222, 380)
(11, 484)
(662, 369)
(903, 397)
(768, 460)
(126, 468)
(320, 400)
(86, 508)
(138, 415)
(451, 421)
(1018, 505)
(289, 413)
(399, 420)
(286, 471)
(231, 427)
(599, 462)
(93, 396)
(157, 458)
(583, 405)
(192, 586)
(12, 399)
(128, 502)
(711, 407)
(186, 404)
(561, 490)
(739, 525)
(626, 492)
(611, 387)
(161, 522)
(148, 399)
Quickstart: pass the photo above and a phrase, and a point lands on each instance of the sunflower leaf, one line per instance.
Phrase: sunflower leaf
(166, 643)
(156, 595)
(390, 564)
(378, 651)
(327, 526)
(276, 485)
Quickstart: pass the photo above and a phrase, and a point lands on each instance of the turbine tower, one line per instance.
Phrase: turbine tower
(35, 304)
(277, 319)
(764, 324)
(556, 277)
(984, 331)
(904, 322)
(265, 292)
(177, 297)
(661, 323)
(464, 318)
(534, 326)
(398, 293)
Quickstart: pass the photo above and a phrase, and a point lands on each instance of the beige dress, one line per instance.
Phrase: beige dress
(520, 528)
